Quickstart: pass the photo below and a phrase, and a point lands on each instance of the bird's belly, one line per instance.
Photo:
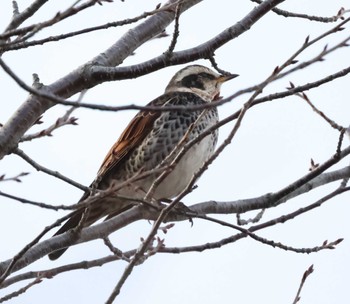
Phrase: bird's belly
(183, 172)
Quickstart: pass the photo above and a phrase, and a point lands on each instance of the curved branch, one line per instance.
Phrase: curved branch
(31, 30)
(16, 45)
(76, 81)
(56, 174)
(67, 239)
(203, 51)
(284, 13)
(89, 75)
(18, 19)
(271, 199)
(141, 212)
(270, 223)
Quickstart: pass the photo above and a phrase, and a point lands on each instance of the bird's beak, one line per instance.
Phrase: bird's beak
(224, 78)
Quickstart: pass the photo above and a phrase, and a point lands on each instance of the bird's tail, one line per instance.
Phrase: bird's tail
(71, 223)
(96, 212)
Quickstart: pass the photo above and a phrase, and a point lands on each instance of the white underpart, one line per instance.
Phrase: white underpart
(184, 171)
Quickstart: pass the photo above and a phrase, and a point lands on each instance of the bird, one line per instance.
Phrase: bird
(150, 139)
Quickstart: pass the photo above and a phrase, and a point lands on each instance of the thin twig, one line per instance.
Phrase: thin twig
(19, 18)
(255, 219)
(50, 273)
(306, 274)
(115, 250)
(340, 142)
(176, 32)
(279, 220)
(56, 174)
(60, 122)
(20, 291)
(34, 28)
(138, 69)
(16, 178)
(216, 67)
(66, 119)
(22, 252)
(325, 244)
(284, 13)
(331, 122)
(37, 204)
(25, 44)
(135, 215)
(291, 91)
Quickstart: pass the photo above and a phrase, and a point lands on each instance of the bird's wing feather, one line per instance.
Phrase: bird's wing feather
(135, 132)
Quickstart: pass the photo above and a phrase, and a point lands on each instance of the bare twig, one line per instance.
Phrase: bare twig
(105, 228)
(257, 101)
(66, 119)
(16, 45)
(279, 220)
(215, 65)
(255, 219)
(60, 122)
(331, 122)
(56, 174)
(203, 51)
(20, 291)
(306, 274)
(76, 81)
(176, 32)
(21, 253)
(19, 18)
(325, 244)
(284, 13)
(325, 51)
(340, 142)
(115, 250)
(292, 90)
(29, 31)
(16, 178)
(50, 273)
(37, 204)
(32, 90)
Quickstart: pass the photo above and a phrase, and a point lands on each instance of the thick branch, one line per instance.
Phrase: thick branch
(271, 199)
(141, 212)
(89, 75)
(27, 13)
(63, 240)
(77, 80)
(205, 50)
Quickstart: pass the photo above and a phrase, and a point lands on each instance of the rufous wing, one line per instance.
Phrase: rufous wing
(135, 132)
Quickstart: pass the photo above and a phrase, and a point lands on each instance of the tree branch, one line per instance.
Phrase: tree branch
(56, 174)
(306, 274)
(90, 74)
(284, 13)
(18, 19)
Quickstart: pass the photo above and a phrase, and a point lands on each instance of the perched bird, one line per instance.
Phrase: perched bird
(150, 138)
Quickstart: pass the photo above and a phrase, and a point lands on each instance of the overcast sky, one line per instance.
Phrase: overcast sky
(272, 149)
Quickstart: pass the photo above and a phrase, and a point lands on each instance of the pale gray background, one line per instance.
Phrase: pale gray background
(272, 149)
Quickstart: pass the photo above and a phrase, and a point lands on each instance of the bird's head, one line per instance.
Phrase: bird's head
(199, 80)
